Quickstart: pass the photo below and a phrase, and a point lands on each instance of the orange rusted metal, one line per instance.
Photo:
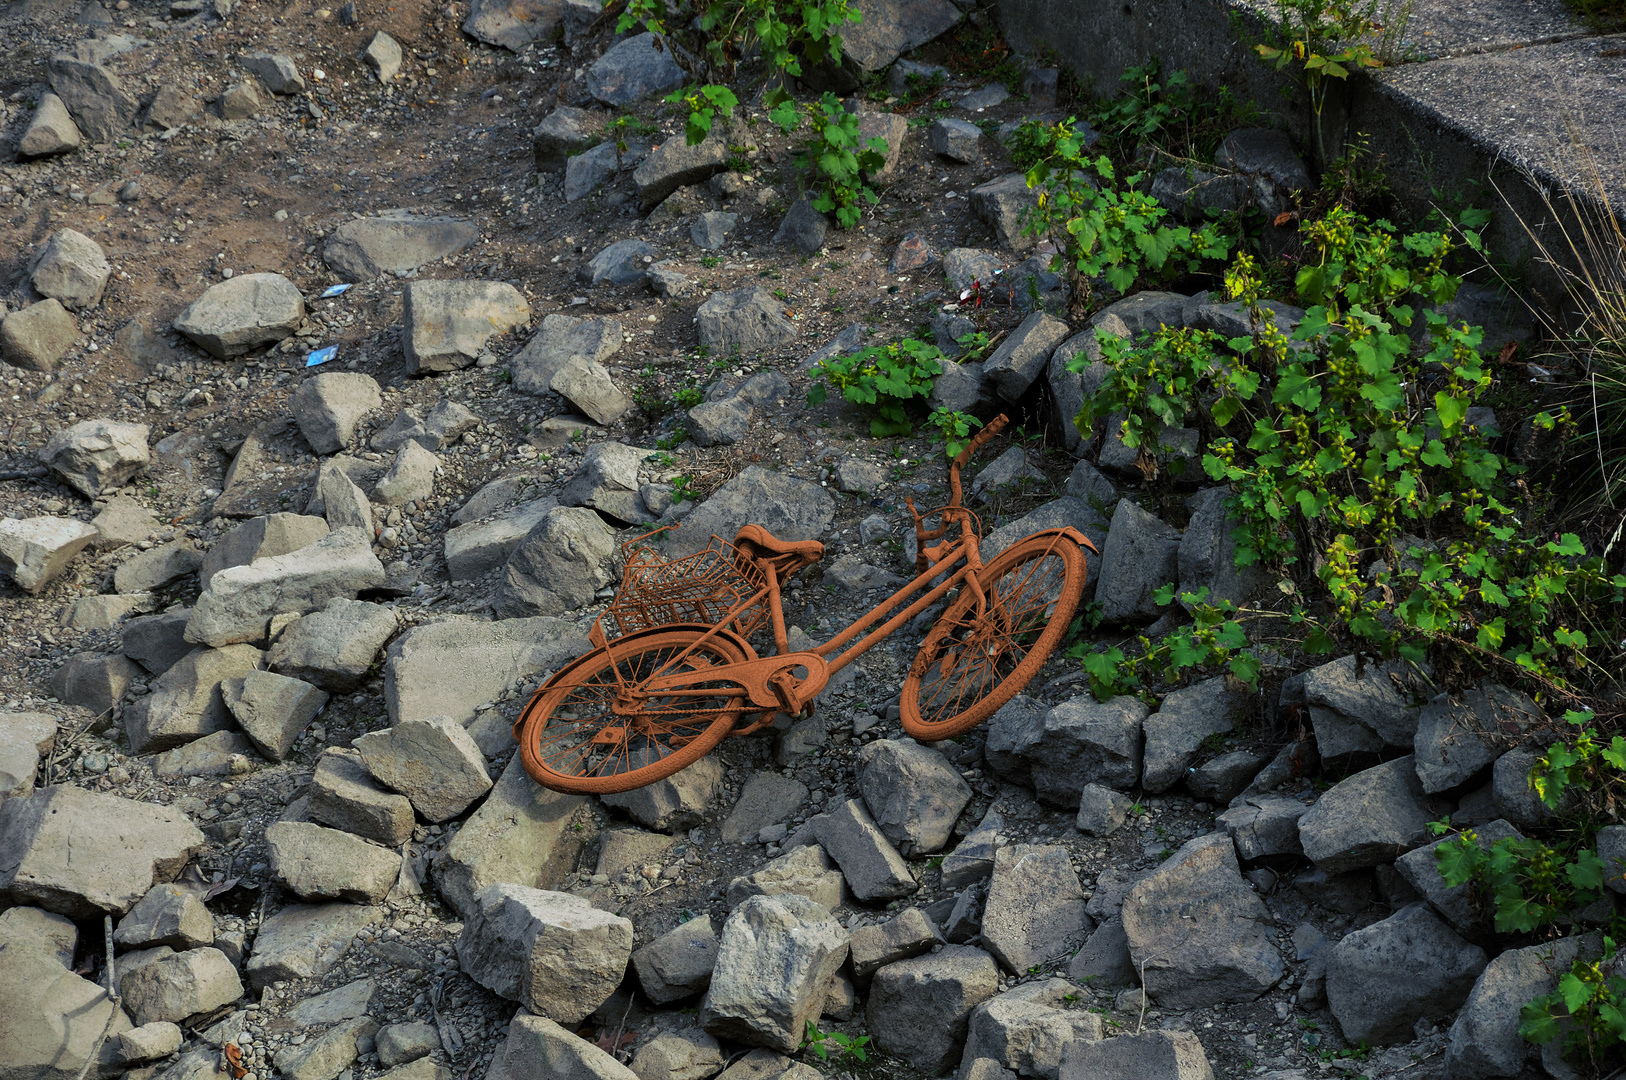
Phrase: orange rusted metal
(672, 671)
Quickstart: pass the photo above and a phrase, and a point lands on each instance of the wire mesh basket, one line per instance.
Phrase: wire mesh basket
(699, 588)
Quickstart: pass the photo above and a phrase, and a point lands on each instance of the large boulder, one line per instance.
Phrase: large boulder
(1372, 817)
(180, 985)
(94, 456)
(328, 407)
(344, 795)
(54, 1021)
(918, 1008)
(776, 962)
(790, 508)
(434, 762)
(1461, 735)
(82, 854)
(675, 164)
(554, 952)
(675, 803)
(539, 1049)
(560, 565)
(1385, 977)
(35, 551)
(804, 871)
(243, 313)
(1151, 1055)
(273, 710)
(394, 243)
(913, 793)
(1026, 1029)
(71, 269)
(239, 602)
(607, 480)
(1035, 909)
(1198, 932)
(1485, 1039)
(447, 323)
(25, 738)
(872, 867)
(1020, 360)
(51, 130)
(493, 657)
(1358, 709)
(167, 915)
(95, 96)
(678, 964)
(186, 702)
(479, 547)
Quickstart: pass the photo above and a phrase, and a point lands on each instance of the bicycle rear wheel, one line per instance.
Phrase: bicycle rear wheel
(592, 733)
(976, 658)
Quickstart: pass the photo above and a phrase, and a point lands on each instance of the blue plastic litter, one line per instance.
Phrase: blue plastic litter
(321, 356)
(335, 290)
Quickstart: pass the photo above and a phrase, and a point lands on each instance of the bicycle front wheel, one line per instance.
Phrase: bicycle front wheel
(597, 731)
(979, 656)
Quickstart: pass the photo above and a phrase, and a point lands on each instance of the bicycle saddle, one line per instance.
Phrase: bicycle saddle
(754, 541)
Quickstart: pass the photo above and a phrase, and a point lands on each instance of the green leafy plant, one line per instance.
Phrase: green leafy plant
(1530, 883)
(1322, 40)
(884, 378)
(833, 150)
(1213, 639)
(689, 397)
(833, 1045)
(728, 30)
(683, 489)
(1588, 1009)
(709, 261)
(955, 428)
(705, 104)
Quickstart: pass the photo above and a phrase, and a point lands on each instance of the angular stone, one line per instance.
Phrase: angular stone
(383, 55)
(260, 538)
(973, 859)
(72, 269)
(805, 871)
(166, 915)
(766, 799)
(447, 323)
(157, 642)
(394, 243)
(1175, 733)
(305, 941)
(872, 867)
(24, 739)
(674, 804)
(493, 657)
(790, 508)
(521, 833)
(326, 1055)
(240, 601)
(1382, 978)
(749, 319)
(675, 164)
(559, 566)
(411, 477)
(94, 95)
(36, 550)
(552, 951)
(54, 1020)
(186, 701)
(1264, 827)
(1020, 360)
(719, 423)
(434, 762)
(1485, 1039)
(149, 1042)
(50, 131)
(1151, 1055)
(1079, 742)
(776, 960)
(710, 230)
(803, 228)
(873, 946)
(94, 456)
(398, 1044)
(93, 680)
(539, 1049)
(343, 795)
(1035, 910)
(913, 792)
(315, 863)
(636, 67)
(1221, 779)
(561, 338)
(334, 648)
(918, 1008)
(1025, 1031)
(277, 71)
(1374, 816)
(687, 1054)
(561, 133)
(328, 407)
(621, 263)
(678, 964)
(221, 754)
(1463, 905)
(180, 985)
(1003, 204)
(241, 101)
(1458, 736)
(1140, 556)
(956, 139)
(1104, 960)
(241, 314)
(1101, 811)
(590, 389)
(150, 570)
(1207, 556)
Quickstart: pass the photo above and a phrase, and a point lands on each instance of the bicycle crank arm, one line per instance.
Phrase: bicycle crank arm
(770, 682)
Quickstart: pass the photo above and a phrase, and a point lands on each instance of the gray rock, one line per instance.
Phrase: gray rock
(346, 1002)
(511, 24)
(790, 508)
(1207, 557)
(1140, 556)
(1101, 811)
(315, 863)
(50, 131)
(890, 128)
(676, 803)
(964, 921)
(24, 739)
(1346, 894)
(150, 570)
(986, 98)
(383, 55)
(94, 95)
(1020, 360)
(590, 170)
(539, 1049)
(123, 521)
(72, 269)
(767, 798)
(1024, 1030)
(561, 338)
(149, 1042)
(481, 546)
(854, 475)
(1175, 733)
(304, 941)
(260, 538)
(397, 1044)
(687, 1054)
(676, 164)
(343, 794)
(497, 495)
(221, 754)
(919, 1008)
(560, 564)
(54, 1019)
(157, 642)
(167, 915)
(1485, 1039)
(180, 985)
(871, 865)
(1079, 742)
(804, 871)
(1104, 960)
(1381, 979)
(276, 70)
(1373, 816)
(411, 477)
(561, 132)
(1003, 204)
(334, 648)
(1264, 827)
(710, 230)
(394, 243)
(1234, 320)
(241, 101)
(492, 658)
(521, 833)
(959, 388)
(186, 702)
(1268, 154)
(94, 456)
(1511, 793)
(35, 551)
(1458, 736)
(552, 951)
(273, 710)
(1222, 779)
(968, 267)
(240, 601)
(872, 947)
(1151, 1055)
(105, 611)
(635, 68)
(1223, 952)
(804, 228)
(1462, 906)
(667, 282)
(622, 263)
(1035, 910)
(678, 964)
(720, 423)
(447, 323)
(241, 314)
(776, 961)
(588, 386)
(328, 1054)
(957, 139)
(849, 341)
(913, 792)
(1357, 709)
(749, 319)
(434, 762)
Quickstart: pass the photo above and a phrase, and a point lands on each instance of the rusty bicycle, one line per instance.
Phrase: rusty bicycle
(673, 672)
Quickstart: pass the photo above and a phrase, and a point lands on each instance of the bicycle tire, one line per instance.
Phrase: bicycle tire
(669, 738)
(971, 664)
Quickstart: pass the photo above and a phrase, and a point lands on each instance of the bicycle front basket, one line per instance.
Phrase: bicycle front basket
(699, 588)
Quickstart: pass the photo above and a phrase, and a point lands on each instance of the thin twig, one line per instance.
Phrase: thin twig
(113, 997)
